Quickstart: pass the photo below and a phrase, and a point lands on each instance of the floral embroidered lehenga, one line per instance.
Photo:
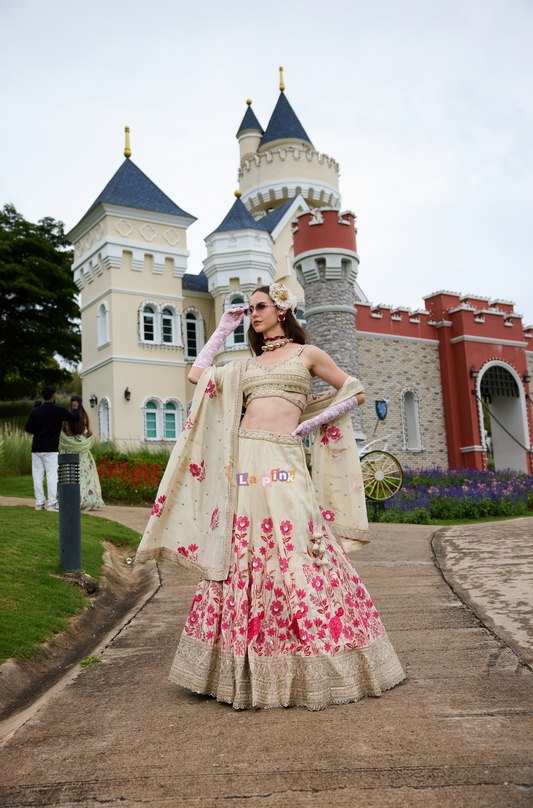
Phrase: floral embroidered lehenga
(281, 617)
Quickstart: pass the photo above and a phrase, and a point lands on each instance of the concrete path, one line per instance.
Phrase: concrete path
(457, 733)
(490, 566)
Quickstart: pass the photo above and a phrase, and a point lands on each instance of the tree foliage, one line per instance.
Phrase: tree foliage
(39, 312)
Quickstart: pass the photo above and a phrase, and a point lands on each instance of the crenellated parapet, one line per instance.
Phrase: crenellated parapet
(269, 177)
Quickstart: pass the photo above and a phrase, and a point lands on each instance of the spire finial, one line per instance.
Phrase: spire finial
(249, 101)
(281, 85)
(127, 150)
(238, 194)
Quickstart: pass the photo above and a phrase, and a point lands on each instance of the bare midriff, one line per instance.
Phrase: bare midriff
(272, 414)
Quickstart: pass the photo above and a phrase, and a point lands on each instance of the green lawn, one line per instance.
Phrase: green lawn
(18, 487)
(35, 605)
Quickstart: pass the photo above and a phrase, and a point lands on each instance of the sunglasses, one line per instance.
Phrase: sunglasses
(260, 307)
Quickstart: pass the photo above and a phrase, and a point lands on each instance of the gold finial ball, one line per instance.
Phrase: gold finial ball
(238, 194)
(249, 101)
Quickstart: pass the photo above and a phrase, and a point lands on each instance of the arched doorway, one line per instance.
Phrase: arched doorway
(500, 388)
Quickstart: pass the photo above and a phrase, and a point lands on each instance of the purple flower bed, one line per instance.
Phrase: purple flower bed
(456, 494)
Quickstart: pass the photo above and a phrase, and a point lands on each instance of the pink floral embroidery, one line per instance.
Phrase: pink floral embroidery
(159, 504)
(214, 520)
(188, 423)
(329, 516)
(198, 471)
(324, 432)
(210, 389)
(274, 606)
(334, 433)
(335, 628)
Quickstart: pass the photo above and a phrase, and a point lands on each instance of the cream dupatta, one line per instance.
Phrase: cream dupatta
(192, 518)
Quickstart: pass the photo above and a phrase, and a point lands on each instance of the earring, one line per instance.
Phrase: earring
(281, 318)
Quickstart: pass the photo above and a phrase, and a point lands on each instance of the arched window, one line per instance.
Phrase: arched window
(237, 339)
(148, 324)
(152, 420)
(104, 419)
(412, 441)
(167, 326)
(193, 333)
(102, 325)
(173, 419)
(238, 334)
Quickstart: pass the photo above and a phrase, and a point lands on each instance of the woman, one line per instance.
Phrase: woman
(281, 617)
(77, 438)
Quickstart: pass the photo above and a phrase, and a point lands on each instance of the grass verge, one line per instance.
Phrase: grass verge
(18, 486)
(35, 605)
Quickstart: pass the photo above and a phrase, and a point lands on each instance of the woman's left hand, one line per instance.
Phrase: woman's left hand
(305, 429)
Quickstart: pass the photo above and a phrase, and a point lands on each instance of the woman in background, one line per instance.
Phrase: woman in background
(77, 438)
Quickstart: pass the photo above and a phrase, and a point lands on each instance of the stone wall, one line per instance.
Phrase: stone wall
(389, 365)
(333, 331)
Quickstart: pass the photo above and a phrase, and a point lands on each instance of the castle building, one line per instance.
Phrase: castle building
(455, 373)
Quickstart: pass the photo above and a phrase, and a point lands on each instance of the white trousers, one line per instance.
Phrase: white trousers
(44, 463)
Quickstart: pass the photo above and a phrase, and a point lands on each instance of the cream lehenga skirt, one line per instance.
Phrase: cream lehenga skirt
(281, 629)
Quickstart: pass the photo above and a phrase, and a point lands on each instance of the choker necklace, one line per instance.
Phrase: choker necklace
(283, 340)
(271, 339)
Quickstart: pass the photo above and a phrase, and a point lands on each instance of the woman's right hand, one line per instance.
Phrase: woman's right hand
(232, 318)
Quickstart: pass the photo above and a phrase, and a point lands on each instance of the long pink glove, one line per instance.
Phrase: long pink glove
(303, 430)
(228, 323)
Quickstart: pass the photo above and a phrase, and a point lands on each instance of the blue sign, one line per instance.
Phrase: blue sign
(381, 410)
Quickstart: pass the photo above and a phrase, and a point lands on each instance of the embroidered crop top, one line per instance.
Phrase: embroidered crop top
(280, 380)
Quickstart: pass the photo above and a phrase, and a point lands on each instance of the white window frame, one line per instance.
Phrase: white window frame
(176, 326)
(157, 323)
(179, 419)
(159, 422)
(102, 325)
(104, 437)
(230, 344)
(200, 332)
(407, 432)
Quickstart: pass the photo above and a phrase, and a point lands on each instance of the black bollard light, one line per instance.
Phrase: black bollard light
(68, 499)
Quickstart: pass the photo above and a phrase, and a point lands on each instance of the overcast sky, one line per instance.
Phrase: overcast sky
(426, 105)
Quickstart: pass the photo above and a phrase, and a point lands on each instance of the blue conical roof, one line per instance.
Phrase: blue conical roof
(131, 188)
(249, 122)
(284, 124)
(238, 218)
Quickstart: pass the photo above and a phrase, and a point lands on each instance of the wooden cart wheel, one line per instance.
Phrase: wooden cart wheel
(382, 475)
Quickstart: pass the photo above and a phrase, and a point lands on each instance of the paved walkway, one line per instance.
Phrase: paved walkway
(458, 732)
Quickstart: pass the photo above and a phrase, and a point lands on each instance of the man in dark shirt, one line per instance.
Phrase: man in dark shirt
(44, 423)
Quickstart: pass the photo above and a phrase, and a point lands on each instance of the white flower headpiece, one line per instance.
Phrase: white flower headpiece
(283, 297)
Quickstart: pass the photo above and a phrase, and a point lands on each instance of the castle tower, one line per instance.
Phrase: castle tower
(239, 259)
(281, 162)
(326, 263)
(129, 259)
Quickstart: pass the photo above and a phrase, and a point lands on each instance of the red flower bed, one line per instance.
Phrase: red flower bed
(133, 479)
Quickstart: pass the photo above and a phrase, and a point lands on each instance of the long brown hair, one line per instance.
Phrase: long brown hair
(290, 325)
(79, 427)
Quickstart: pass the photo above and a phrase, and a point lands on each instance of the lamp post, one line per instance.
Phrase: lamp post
(68, 499)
